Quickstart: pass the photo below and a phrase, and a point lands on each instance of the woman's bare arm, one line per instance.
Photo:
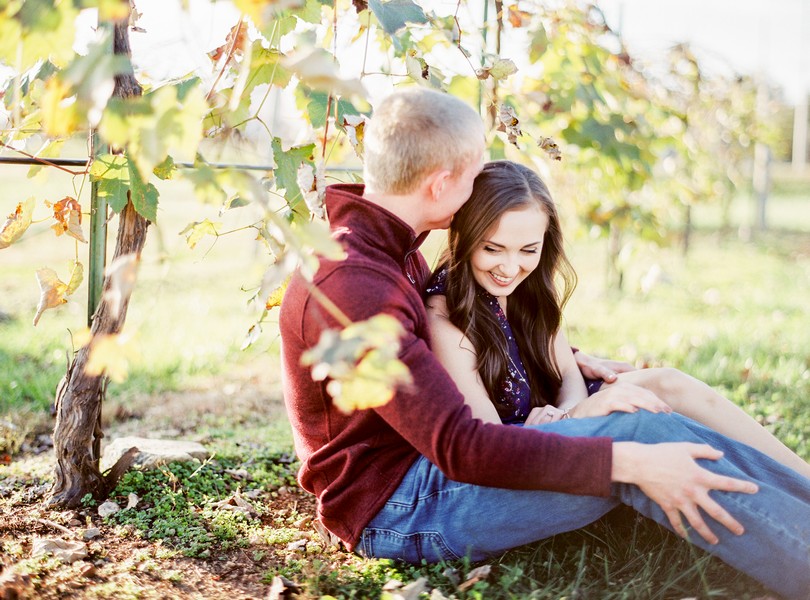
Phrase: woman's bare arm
(573, 388)
(456, 353)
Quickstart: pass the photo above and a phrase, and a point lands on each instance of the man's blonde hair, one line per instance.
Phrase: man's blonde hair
(415, 132)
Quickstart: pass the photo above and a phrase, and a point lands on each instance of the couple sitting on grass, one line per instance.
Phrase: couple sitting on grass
(507, 435)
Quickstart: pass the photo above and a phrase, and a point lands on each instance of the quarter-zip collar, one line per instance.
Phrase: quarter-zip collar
(379, 228)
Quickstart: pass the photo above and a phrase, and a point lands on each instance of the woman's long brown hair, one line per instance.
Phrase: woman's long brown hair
(535, 307)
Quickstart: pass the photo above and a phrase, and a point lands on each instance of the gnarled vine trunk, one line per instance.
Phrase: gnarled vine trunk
(79, 397)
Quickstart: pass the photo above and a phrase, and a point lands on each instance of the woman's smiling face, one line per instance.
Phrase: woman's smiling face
(510, 252)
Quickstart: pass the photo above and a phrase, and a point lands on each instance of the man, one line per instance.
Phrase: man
(419, 478)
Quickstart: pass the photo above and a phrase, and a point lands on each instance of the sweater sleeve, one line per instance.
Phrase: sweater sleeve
(432, 417)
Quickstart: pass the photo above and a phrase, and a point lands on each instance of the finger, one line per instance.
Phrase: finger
(704, 451)
(731, 484)
(623, 406)
(721, 515)
(651, 403)
(697, 523)
(677, 524)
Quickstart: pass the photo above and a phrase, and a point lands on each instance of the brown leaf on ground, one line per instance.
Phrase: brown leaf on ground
(474, 576)
(64, 550)
(283, 589)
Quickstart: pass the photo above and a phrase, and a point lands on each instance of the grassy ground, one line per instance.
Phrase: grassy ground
(730, 313)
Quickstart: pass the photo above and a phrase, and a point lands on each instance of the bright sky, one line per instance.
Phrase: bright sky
(750, 36)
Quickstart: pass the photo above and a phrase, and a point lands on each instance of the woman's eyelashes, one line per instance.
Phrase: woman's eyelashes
(493, 250)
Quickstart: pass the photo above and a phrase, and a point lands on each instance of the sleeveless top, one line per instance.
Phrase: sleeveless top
(514, 398)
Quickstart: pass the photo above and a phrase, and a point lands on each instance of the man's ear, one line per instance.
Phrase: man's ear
(436, 181)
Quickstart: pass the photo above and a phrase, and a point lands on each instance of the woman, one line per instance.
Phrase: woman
(495, 313)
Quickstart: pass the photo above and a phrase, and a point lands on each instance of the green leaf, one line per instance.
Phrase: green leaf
(144, 195)
(166, 169)
(394, 14)
(318, 103)
(111, 171)
(286, 172)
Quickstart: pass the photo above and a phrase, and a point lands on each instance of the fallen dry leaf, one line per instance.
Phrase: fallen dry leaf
(283, 589)
(474, 576)
(66, 551)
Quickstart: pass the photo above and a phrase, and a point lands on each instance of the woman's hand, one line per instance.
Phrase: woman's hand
(545, 414)
(600, 368)
(619, 397)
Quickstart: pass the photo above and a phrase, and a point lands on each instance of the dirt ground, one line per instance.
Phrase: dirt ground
(119, 566)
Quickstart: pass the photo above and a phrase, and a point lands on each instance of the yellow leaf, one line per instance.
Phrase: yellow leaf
(76, 277)
(113, 10)
(197, 230)
(275, 297)
(51, 291)
(111, 355)
(16, 223)
(59, 117)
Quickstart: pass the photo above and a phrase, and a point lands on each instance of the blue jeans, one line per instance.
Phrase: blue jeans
(433, 518)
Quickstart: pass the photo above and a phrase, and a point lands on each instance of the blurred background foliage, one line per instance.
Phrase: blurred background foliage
(649, 159)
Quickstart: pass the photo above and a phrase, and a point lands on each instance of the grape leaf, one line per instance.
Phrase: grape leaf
(166, 169)
(318, 69)
(197, 230)
(111, 171)
(52, 291)
(144, 195)
(76, 277)
(277, 295)
(361, 363)
(394, 14)
(68, 215)
(286, 171)
(16, 223)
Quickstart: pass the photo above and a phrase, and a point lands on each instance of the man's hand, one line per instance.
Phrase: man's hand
(619, 397)
(600, 368)
(668, 474)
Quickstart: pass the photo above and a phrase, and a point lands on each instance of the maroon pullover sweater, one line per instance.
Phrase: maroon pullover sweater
(353, 463)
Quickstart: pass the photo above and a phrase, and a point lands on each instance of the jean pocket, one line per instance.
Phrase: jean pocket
(413, 547)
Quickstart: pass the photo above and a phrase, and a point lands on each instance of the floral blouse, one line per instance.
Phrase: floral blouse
(514, 399)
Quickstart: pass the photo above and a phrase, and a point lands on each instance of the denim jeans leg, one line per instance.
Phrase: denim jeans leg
(430, 517)
(433, 518)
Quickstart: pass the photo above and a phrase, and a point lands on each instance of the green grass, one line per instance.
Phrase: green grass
(730, 313)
